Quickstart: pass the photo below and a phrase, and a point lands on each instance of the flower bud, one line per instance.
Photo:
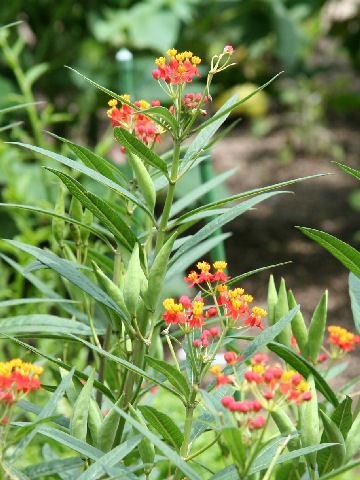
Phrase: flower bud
(197, 343)
(230, 358)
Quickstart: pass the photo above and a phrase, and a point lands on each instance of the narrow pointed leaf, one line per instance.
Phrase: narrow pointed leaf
(347, 255)
(53, 467)
(174, 458)
(354, 292)
(98, 177)
(97, 470)
(138, 148)
(171, 373)
(163, 424)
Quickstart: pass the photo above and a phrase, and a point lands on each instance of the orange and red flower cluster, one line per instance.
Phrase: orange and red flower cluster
(342, 339)
(126, 117)
(235, 303)
(179, 68)
(18, 377)
(184, 312)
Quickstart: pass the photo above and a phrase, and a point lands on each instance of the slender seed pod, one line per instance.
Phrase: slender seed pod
(95, 418)
(298, 326)
(272, 299)
(108, 429)
(334, 436)
(79, 417)
(285, 426)
(87, 219)
(76, 209)
(157, 274)
(317, 328)
(144, 180)
(309, 419)
(132, 281)
(282, 309)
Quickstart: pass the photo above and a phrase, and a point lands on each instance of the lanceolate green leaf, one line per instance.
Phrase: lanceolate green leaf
(172, 374)
(163, 424)
(174, 458)
(249, 193)
(99, 208)
(350, 170)
(97, 469)
(163, 113)
(43, 323)
(51, 213)
(53, 467)
(347, 255)
(98, 177)
(218, 222)
(285, 457)
(206, 132)
(304, 367)
(225, 111)
(72, 274)
(79, 417)
(138, 148)
(45, 289)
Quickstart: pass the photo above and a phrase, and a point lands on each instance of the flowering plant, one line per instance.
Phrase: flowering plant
(115, 261)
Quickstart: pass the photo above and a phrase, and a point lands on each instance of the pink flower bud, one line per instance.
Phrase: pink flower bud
(185, 301)
(214, 332)
(227, 401)
(205, 342)
(155, 103)
(306, 396)
(256, 406)
(197, 343)
(269, 395)
(322, 357)
(156, 74)
(230, 358)
(228, 49)
(257, 423)
(212, 312)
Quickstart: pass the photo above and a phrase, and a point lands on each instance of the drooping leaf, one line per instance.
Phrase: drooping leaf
(354, 292)
(138, 148)
(172, 374)
(53, 467)
(163, 424)
(346, 254)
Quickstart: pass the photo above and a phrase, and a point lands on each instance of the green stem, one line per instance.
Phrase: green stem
(172, 351)
(276, 456)
(169, 198)
(203, 449)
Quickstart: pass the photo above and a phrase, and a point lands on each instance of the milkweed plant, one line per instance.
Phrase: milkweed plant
(251, 386)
